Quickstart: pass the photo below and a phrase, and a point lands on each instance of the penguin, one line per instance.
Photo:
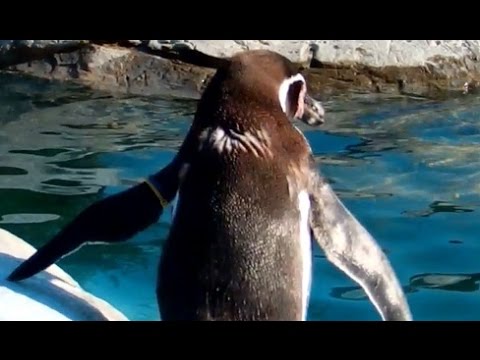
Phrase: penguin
(250, 200)
(119, 217)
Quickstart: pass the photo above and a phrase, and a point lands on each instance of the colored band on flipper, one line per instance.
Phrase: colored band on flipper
(157, 193)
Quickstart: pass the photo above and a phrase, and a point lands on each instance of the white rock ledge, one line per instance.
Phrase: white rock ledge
(51, 295)
(181, 68)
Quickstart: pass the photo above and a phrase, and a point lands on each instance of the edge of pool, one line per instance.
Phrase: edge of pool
(52, 295)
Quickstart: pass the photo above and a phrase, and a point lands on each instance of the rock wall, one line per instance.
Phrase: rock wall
(182, 67)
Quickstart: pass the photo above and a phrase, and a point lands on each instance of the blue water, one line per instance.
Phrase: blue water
(408, 169)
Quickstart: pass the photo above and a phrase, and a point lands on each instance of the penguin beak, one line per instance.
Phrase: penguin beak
(313, 112)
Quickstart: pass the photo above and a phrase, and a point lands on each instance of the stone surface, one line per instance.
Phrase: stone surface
(383, 53)
(298, 51)
(51, 295)
(181, 67)
(121, 70)
(59, 45)
(18, 51)
(416, 67)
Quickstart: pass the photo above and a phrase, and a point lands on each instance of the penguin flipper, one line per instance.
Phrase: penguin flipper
(113, 219)
(351, 248)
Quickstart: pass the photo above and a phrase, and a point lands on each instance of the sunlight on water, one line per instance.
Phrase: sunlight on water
(408, 169)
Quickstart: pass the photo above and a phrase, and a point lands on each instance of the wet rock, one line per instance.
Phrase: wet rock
(18, 51)
(51, 295)
(121, 70)
(180, 67)
(412, 67)
(415, 67)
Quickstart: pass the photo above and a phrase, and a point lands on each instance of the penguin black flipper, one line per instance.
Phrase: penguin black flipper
(350, 247)
(113, 219)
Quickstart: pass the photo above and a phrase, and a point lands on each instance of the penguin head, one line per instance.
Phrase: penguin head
(295, 101)
(264, 78)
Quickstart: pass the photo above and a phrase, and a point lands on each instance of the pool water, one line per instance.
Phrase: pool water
(408, 169)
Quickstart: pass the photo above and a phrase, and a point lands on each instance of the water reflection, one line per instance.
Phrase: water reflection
(10, 170)
(408, 169)
(448, 282)
(441, 207)
(83, 126)
(427, 281)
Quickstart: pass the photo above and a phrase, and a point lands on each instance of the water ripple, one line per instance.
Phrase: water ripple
(408, 169)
